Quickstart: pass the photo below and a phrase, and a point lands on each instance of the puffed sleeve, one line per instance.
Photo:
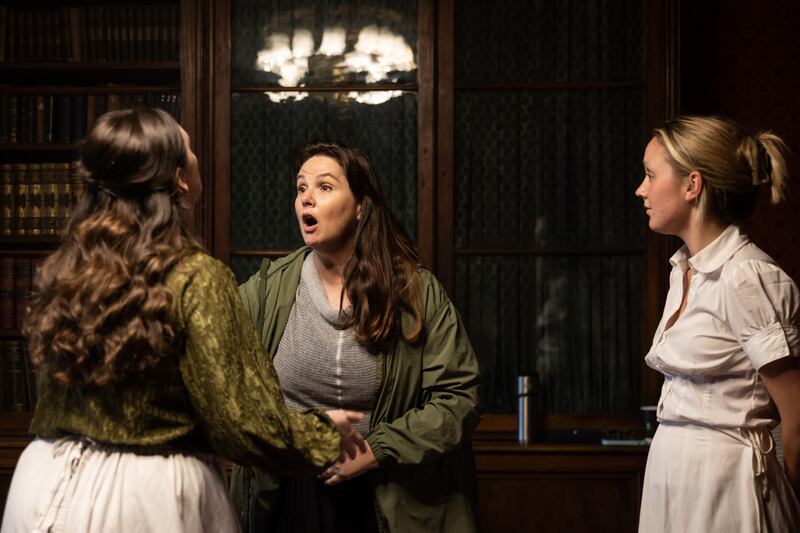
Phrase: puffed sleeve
(233, 386)
(763, 306)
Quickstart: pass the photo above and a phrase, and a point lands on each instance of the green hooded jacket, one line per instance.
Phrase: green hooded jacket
(424, 413)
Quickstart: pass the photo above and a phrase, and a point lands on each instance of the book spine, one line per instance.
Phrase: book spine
(22, 197)
(63, 119)
(4, 113)
(13, 118)
(51, 38)
(7, 225)
(78, 117)
(64, 200)
(76, 184)
(12, 35)
(102, 33)
(162, 33)
(83, 28)
(75, 33)
(30, 377)
(116, 31)
(30, 34)
(8, 314)
(3, 32)
(90, 112)
(50, 197)
(50, 110)
(14, 377)
(91, 35)
(40, 119)
(138, 33)
(108, 44)
(36, 199)
(28, 118)
(65, 32)
(22, 288)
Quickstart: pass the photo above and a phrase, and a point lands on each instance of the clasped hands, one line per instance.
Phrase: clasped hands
(356, 457)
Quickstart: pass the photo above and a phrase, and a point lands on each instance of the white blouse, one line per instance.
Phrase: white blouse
(743, 312)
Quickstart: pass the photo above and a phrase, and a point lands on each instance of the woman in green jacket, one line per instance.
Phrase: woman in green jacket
(352, 321)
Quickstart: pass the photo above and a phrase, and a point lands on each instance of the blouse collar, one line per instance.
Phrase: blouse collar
(714, 255)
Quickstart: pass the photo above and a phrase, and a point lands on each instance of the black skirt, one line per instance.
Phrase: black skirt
(307, 505)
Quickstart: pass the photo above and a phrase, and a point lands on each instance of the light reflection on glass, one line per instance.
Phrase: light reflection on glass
(365, 97)
(378, 54)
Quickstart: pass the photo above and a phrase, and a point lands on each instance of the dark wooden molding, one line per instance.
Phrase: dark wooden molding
(445, 39)
(219, 115)
(426, 139)
(663, 101)
(191, 43)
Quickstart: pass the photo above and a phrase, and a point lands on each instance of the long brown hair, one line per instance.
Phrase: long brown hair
(381, 277)
(101, 310)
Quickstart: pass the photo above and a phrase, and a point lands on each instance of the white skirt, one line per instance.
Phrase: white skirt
(72, 485)
(702, 479)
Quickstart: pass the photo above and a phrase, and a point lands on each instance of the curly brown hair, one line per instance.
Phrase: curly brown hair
(101, 310)
(381, 278)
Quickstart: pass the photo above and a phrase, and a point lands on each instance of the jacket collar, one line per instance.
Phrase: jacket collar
(714, 255)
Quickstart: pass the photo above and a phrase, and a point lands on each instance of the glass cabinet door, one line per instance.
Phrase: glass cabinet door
(311, 71)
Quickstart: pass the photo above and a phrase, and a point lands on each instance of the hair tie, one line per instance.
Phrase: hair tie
(762, 163)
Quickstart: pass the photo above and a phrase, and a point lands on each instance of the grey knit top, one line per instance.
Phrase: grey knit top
(319, 365)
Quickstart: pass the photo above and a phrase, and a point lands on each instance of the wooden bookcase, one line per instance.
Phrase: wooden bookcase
(97, 56)
(202, 77)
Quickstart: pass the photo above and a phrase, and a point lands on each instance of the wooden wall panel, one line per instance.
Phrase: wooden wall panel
(739, 58)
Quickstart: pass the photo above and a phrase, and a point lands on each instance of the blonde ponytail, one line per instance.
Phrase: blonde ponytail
(774, 167)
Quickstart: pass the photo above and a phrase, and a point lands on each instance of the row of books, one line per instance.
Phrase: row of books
(18, 386)
(16, 275)
(37, 197)
(66, 118)
(91, 33)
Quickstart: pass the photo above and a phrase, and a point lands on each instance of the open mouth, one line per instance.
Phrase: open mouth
(309, 223)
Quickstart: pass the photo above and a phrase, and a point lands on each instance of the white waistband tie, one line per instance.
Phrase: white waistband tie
(762, 444)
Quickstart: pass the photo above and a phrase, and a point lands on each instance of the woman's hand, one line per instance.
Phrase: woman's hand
(352, 440)
(782, 378)
(350, 467)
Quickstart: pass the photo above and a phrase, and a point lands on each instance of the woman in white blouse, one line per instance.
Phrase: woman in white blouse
(729, 339)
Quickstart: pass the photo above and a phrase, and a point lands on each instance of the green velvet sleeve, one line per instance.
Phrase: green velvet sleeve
(234, 388)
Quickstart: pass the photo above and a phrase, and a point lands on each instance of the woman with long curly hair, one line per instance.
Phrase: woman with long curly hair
(147, 364)
(353, 321)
